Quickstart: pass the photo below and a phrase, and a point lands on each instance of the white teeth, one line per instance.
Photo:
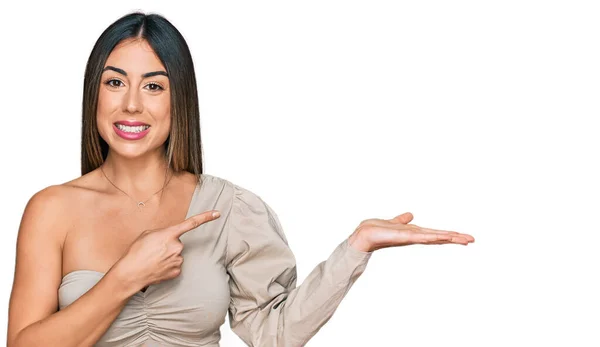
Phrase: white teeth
(134, 129)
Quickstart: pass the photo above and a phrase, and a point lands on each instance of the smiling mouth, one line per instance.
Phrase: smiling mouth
(132, 129)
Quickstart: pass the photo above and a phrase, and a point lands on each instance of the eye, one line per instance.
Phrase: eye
(155, 86)
(112, 85)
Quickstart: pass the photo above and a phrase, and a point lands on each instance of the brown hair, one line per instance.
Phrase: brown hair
(183, 147)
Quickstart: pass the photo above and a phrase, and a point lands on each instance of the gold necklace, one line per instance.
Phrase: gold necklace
(140, 204)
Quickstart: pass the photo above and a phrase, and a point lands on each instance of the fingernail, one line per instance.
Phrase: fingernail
(216, 214)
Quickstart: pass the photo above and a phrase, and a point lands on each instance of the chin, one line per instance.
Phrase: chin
(130, 152)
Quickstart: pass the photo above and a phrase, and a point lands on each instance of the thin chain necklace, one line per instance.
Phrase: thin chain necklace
(140, 204)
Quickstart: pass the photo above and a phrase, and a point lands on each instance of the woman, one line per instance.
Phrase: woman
(100, 259)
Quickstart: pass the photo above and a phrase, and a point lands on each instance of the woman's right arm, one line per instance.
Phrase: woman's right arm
(34, 319)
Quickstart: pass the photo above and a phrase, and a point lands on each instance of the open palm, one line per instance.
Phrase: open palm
(373, 234)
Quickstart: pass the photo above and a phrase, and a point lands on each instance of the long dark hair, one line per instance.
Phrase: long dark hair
(183, 147)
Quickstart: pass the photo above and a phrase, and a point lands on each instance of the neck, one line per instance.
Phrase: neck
(140, 176)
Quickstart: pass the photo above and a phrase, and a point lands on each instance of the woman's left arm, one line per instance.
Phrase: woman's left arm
(266, 307)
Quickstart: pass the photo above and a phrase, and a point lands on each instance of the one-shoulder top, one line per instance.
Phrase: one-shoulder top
(239, 264)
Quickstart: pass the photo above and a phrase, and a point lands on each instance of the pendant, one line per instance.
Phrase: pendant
(141, 204)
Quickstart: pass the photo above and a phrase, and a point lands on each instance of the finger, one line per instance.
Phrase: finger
(443, 243)
(178, 261)
(427, 238)
(438, 239)
(192, 223)
(404, 218)
(466, 236)
(439, 231)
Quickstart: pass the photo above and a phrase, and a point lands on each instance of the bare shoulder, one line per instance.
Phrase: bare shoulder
(54, 207)
(47, 204)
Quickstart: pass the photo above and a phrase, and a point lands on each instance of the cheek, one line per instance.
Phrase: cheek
(159, 108)
(107, 103)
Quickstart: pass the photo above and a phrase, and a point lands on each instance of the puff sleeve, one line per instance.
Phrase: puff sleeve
(266, 307)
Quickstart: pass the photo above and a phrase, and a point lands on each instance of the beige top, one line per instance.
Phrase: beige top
(241, 263)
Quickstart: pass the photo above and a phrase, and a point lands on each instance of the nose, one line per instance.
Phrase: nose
(133, 102)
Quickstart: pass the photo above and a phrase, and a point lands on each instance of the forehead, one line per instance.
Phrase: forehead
(136, 56)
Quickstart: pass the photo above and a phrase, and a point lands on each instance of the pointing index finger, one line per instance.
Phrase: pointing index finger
(193, 222)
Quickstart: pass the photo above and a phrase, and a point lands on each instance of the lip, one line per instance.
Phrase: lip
(130, 123)
(131, 136)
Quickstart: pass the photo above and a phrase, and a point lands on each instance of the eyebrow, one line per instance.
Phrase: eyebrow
(147, 74)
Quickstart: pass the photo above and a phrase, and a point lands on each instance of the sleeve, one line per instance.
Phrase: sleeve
(266, 307)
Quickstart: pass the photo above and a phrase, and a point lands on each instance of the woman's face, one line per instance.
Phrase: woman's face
(134, 88)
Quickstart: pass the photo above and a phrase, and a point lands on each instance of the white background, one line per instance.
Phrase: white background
(476, 116)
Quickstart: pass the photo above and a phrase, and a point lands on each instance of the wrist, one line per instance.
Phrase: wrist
(124, 283)
(359, 243)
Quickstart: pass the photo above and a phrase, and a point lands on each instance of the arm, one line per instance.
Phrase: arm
(33, 316)
(267, 309)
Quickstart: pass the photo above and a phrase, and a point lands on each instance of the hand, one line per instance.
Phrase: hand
(154, 256)
(373, 234)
